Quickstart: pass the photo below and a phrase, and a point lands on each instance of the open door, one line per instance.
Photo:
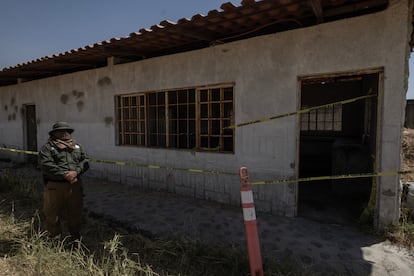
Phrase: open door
(337, 140)
(31, 131)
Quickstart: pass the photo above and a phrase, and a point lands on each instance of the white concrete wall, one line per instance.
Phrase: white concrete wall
(265, 71)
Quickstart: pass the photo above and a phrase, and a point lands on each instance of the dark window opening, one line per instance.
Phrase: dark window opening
(131, 120)
(337, 140)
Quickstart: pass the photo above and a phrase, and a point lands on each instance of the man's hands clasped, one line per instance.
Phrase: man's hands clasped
(71, 176)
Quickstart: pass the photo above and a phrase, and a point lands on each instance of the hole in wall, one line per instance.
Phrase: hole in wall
(108, 121)
(80, 105)
(64, 98)
(104, 81)
(78, 94)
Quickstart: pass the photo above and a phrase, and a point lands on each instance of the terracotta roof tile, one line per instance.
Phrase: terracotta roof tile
(251, 18)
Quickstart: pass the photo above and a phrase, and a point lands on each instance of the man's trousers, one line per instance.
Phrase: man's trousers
(63, 201)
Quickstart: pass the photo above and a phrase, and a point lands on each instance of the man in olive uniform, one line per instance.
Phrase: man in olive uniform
(62, 162)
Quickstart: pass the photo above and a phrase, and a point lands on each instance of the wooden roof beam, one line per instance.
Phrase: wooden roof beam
(355, 7)
(317, 10)
(35, 71)
(194, 34)
(74, 62)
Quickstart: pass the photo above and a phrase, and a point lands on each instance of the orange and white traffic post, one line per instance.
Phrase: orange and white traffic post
(249, 215)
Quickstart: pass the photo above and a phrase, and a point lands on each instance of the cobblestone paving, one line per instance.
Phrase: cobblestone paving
(326, 249)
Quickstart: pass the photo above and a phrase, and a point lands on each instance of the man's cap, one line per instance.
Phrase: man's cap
(61, 126)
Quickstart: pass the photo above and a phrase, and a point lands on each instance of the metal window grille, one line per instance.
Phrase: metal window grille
(322, 119)
(190, 118)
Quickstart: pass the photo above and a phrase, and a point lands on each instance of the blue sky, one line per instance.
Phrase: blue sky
(31, 29)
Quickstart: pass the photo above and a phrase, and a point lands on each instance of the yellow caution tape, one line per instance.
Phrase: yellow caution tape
(277, 181)
(120, 163)
(302, 111)
(331, 177)
(135, 164)
(132, 164)
(20, 151)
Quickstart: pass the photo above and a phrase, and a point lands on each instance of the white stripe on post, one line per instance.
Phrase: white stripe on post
(249, 214)
(247, 196)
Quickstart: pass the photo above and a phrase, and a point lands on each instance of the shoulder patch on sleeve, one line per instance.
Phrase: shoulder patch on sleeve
(53, 151)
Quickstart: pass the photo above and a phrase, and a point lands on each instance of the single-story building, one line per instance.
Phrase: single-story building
(165, 95)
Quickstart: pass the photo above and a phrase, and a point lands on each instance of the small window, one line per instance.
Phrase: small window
(322, 119)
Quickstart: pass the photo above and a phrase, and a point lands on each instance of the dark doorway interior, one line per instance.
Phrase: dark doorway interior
(337, 140)
(31, 131)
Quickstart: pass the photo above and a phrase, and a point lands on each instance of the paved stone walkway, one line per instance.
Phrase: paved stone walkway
(326, 249)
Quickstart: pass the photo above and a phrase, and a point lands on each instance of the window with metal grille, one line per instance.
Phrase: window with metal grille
(322, 119)
(191, 118)
(216, 113)
(182, 119)
(131, 122)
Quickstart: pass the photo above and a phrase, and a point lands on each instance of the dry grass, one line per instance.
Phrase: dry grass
(403, 234)
(107, 248)
(408, 154)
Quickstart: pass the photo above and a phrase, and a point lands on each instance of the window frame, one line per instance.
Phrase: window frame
(193, 135)
(324, 119)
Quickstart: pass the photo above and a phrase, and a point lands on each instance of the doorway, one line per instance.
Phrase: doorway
(31, 132)
(337, 140)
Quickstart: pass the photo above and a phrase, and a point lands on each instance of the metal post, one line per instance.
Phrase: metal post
(249, 215)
